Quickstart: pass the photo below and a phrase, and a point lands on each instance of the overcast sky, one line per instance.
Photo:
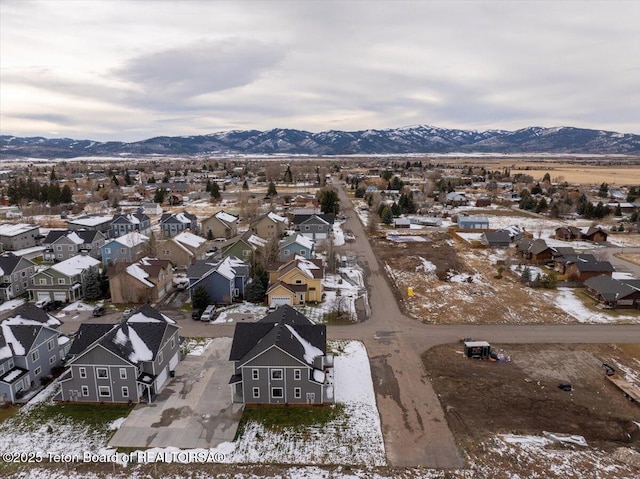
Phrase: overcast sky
(123, 70)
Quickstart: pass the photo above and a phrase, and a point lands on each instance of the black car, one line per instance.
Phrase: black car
(53, 306)
(99, 311)
(196, 314)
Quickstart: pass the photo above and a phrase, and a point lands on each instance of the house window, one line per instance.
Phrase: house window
(277, 393)
(125, 391)
(256, 393)
(104, 391)
(297, 393)
(83, 372)
(166, 252)
(255, 374)
(246, 252)
(60, 280)
(276, 374)
(52, 359)
(123, 373)
(123, 250)
(58, 247)
(50, 345)
(23, 274)
(37, 371)
(10, 365)
(107, 250)
(297, 374)
(35, 355)
(24, 285)
(298, 281)
(303, 252)
(102, 373)
(286, 252)
(160, 357)
(43, 281)
(70, 248)
(307, 227)
(85, 390)
(173, 342)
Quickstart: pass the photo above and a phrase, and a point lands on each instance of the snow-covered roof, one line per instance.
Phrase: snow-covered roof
(257, 241)
(12, 344)
(139, 350)
(310, 351)
(226, 217)
(182, 218)
(75, 265)
(91, 220)
(189, 239)
(277, 218)
(73, 236)
(137, 272)
(304, 241)
(9, 229)
(227, 267)
(132, 239)
(306, 266)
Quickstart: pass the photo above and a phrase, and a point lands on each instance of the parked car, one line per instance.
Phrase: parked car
(43, 303)
(99, 311)
(212, 250)
(53, 306)
(182, 284)
(208, 313)
(128, 313)
(196, 314)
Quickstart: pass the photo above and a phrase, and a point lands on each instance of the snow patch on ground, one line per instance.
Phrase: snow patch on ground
(567, 301)
(12, 304)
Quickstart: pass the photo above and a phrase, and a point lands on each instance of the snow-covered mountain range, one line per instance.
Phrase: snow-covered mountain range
(414, 139)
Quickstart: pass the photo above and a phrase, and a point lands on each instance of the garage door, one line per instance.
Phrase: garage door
(174, 361)
(42, 295)
(59, 296)
(280, 300)
(162, 378)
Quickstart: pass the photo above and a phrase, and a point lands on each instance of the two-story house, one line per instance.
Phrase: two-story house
(125, 249)
(63, 281)
(14, 237)
(220, 225)
(99, 223)
(295, 282)
(132, 362)
(246, 246)
(281, 359)
(63, 244)
(30, 348)
(16, 275)
(183, 249)
(146, 280)
(314, 226)
(269, 226)
(296, 245)
(172, 224)
(123, 224)
(223, 280)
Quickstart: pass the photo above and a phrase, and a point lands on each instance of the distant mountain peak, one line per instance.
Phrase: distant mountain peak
(407, 139)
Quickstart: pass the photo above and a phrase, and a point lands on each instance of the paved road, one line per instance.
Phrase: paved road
(620, 264)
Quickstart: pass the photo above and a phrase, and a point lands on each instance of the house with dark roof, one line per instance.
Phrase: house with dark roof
(30, 348)
(224, 280)
(568, 233)
(16, 275)
(583, 267)
(496, 239)
(60, 245)
(220, 225)
(614, 293)
(129, 362)
(595, 234)
(172, 224)
(123, 224)
(315, 226)
(535, 250)
(281, 359)
(146, 280)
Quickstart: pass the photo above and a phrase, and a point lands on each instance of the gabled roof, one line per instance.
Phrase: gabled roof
(189, 239)
(131, 218)
(538, 246)
(8, 263)
(89, 333)
(75, 265)
(182, 218)
(147, 268)
(75, 236)
(312, 268)
(10, 229)
(610, 289)
(130, 239)
(226, 217)
(293, 288)
(494, 237)
(288, 315)
(590, 267)
(314, 218)
(299, 239)
(19, 332)
(230, 268)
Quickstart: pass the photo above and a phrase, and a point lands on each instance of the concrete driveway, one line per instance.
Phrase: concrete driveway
(193, 411)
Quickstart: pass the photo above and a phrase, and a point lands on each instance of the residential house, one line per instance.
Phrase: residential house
(223, 280)
(584, 267)
(535, 250)
(124, 224)
(401, 223)
(295, 282)
(314, 226)
(173, 224)
(183, 249)
(220, 225)
(132, 362)
(16, 275)
(269, 226)
(281, 359)
(60, 245)
(14, 237)
(612, 292)
(473, 222)
(30, 348)
(151, 208)
(125, 249)
(296, 245)
(595, 234)
(92, 223)
(496, 239)
(455, 198)
(64, 281)
(246, 246)
(144, 281)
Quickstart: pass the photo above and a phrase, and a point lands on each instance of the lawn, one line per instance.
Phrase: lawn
(7, 412)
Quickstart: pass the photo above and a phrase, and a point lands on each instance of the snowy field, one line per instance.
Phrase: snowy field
(566, 300)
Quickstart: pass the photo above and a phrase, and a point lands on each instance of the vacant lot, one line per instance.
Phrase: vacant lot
(484, 398)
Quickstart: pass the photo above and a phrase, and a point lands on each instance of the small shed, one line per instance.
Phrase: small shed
(477, 349)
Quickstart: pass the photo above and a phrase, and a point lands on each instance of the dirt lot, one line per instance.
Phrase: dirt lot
(483, 398)
(464, 287)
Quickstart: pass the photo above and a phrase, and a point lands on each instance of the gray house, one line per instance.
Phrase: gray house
(132, 361)
(295, 245)
(125, 249)
(130, 223)
(16, 275)
(60, 245)
(281, 359)
(316, 226)
(63, 281)
(496, 239)
(223, 280)
(30, 348)
(173, 224)
(91, 223)
(18, 236)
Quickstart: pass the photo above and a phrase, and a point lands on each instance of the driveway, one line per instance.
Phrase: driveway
(193, 411)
